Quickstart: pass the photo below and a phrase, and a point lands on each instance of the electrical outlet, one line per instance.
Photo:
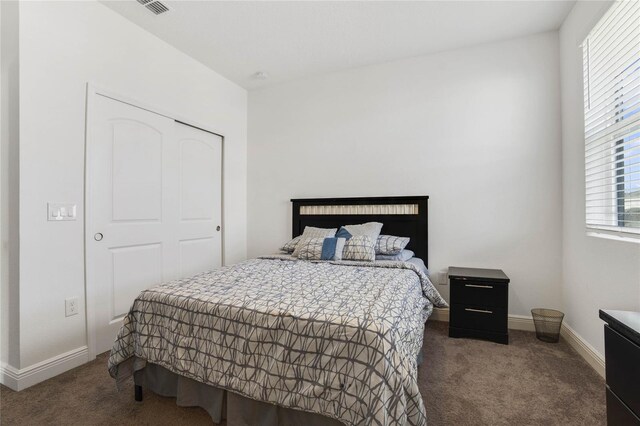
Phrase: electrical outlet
(443, 278)
(71, 306)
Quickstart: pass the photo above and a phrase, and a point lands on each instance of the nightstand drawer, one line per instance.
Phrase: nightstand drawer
(623, 368)
(618, 413)
(474, 317)
(479, 293)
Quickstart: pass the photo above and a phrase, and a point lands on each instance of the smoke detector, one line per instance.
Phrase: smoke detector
(260, 75)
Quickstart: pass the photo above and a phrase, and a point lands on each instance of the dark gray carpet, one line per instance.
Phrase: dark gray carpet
(462, 381)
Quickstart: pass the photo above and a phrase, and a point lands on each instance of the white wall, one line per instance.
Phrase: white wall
(476, 129)
(64, 45)
(9, 138)
(597, 273)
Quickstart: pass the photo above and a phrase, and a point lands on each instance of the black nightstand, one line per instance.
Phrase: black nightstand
(622, 352)
(479, 304)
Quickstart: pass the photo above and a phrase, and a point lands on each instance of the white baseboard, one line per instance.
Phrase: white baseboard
(19, 379)
(594, 358)
(516, 322)
(520, 322)
(9, 376)
(440, 314)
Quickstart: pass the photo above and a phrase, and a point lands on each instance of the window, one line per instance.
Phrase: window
(611, 55)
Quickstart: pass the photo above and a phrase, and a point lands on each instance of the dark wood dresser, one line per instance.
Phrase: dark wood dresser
(479, 304)
(622, 358)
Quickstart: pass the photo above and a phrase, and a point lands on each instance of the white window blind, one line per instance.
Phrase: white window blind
(611, 55)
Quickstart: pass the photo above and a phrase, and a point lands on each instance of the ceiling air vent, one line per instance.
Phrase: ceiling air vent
(154, 6)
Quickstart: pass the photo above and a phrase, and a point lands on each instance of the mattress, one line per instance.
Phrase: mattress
(338, 339)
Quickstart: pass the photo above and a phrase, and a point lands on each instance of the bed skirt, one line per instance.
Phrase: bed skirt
(221, 404)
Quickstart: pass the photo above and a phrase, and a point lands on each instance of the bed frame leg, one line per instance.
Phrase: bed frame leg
(138, 391)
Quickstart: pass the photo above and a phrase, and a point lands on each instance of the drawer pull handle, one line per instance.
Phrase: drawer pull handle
(478, 286)
(482, 311)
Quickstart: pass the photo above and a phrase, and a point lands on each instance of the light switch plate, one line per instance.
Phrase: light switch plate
(61, 211)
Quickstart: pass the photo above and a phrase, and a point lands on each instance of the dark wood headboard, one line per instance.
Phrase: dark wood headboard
(401, 216)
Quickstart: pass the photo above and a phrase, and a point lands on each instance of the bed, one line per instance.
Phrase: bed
(277, 340)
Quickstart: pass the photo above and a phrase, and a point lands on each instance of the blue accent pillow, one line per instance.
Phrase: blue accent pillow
(343, 233)
(328, 248)
(332, 248)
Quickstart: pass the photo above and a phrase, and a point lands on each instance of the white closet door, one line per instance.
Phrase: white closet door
(200, 200)
(154, 203)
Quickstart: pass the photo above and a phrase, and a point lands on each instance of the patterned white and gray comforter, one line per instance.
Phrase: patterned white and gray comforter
(335, 338)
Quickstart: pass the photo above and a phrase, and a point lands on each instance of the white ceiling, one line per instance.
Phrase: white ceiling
(290, 40)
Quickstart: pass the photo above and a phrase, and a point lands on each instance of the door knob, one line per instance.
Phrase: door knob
(98, 236)
(218, 228)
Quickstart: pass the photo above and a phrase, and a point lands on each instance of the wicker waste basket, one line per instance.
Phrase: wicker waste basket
(547, 323)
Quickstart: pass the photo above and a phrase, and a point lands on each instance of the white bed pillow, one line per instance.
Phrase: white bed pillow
(311, 232)
(370, 229)
(291, 245)
(390, 244)
(329, 248)
(359, 247)
(403, 256)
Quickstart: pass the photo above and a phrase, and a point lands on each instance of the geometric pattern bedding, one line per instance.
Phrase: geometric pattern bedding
(321, 248)
(290, 246)
(310, 248)
(389, 244)
(337, 338)
(360, 247)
